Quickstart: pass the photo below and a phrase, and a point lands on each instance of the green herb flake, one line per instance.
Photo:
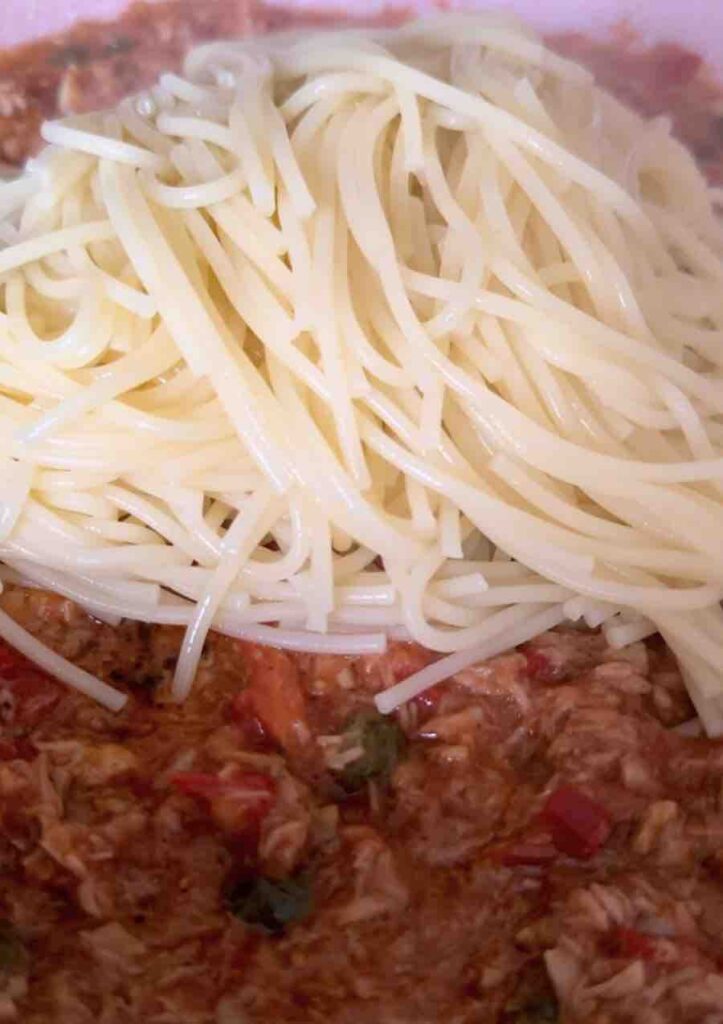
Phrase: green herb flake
(382, 744)
(74, 55)
(538, 1011)
(13, 955)
(121, 44)
(270, 905)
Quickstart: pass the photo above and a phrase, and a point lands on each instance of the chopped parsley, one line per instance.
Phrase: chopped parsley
(381, 743)
(271, 904)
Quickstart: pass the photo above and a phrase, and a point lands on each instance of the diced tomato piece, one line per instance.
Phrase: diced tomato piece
(18, 749)
(538, 665)
(275, 695)
(634, 944)
(238, 800)
(205, 784)
(253, 787)
(429, 700)
(579, 825)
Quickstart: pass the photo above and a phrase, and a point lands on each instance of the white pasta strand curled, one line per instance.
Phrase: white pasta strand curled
(340, 337)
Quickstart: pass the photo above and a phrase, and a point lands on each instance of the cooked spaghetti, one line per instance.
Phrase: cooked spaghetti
(351, 336)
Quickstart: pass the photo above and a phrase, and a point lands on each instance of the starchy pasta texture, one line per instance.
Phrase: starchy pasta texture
(350, 336)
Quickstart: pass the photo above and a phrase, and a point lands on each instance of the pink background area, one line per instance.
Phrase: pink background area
(697, 24)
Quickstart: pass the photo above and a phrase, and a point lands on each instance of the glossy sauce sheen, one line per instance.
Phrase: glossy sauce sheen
(271, 850)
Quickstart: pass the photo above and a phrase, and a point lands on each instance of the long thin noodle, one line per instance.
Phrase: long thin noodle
(341, 338)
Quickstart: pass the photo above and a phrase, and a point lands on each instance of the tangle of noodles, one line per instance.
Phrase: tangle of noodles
(352, 336)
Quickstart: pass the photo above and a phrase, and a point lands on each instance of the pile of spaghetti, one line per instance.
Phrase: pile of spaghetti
(348, 336)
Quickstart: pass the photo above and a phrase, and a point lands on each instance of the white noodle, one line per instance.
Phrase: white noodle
(339, 338)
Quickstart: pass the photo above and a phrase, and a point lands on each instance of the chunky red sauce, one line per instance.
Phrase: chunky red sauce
(534, 842)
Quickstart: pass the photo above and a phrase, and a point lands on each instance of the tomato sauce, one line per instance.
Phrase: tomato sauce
(533, 841)
(273, 849)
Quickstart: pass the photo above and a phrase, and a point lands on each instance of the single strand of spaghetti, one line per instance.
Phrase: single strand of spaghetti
(450, 536)
(104, 147)
(84, 502)
(52, 287)
(325, 87)
(541, 593)
(191, 197)
(424, 522)
(191, 127)
(691, 423)
(143, 594)
(136, 302)
(300, 640)
(182, 88)
(627, 633)
(14, 193)
(31, 249)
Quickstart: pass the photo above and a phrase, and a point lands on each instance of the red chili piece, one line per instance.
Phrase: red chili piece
(538, 666)
(429, 700)
(254, 790)
(634, 944)
(579, 825)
